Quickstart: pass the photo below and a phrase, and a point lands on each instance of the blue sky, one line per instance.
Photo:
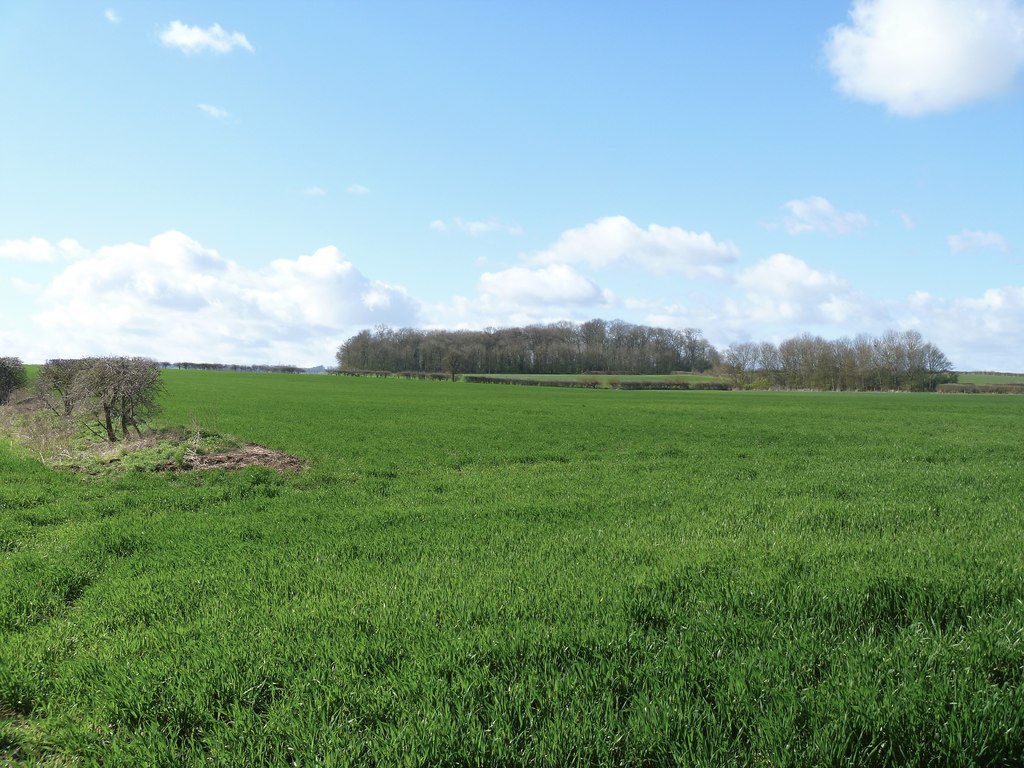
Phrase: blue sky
(254, 182)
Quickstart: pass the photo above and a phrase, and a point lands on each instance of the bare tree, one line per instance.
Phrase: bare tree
(739, 361)
(769, 360)
(56, 384)
(12, 377)
(117, 391)
(451, 363)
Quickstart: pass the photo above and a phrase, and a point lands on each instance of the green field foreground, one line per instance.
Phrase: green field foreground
(479, 576)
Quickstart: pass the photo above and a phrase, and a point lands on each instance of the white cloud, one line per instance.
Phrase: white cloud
(39, 249)
(556, 284)
(969, 239)
(617, 241)
(217, 113)
(173, 298)
(921, 56)
(357, 189)
(314, 191)
(438, 225)
(112, 16)
(908, 223)
(35, 249)
(785, 289)
(523, 296)
(195, 39)
(816, 214)
(977, 332)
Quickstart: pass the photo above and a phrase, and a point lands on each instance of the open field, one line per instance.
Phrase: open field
(991, 378)
(476, 575)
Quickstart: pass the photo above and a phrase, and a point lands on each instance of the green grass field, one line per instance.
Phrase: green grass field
(478, 576)
(991, 378)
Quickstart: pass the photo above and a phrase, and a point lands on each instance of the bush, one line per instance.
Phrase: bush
(12, 377)
(423, 375)
(1010, 388)
(588, 383)
(650, 385)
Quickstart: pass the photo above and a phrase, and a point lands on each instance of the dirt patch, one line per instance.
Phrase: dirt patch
(246, 455)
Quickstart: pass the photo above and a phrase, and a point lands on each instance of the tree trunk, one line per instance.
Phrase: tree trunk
(108, 423)
(124, 422)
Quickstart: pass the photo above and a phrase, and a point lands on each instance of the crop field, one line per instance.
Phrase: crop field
(482, 575)
(991, 378)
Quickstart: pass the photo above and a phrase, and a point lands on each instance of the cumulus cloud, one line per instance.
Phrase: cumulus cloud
(785, 289)
(921, 56)
(523, 296)
(557, 284)
(217, 113)
(617, 241)
(358, 190)
(173, 298)
(816, 214)
(112, 16)
(969, 240)
(314, 191)
(196, 39)
(983, 332)
(438, 225)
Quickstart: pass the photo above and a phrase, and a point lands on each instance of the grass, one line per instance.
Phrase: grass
(526, 576)
(990, 378)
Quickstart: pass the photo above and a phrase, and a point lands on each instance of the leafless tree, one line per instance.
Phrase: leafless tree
(739, 361)
(105, 393)
(55, 384)
(126, 388)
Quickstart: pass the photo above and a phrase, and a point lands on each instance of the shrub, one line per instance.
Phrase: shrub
(651, 385)
(423, 375)
(12, 377)
(1010, 388)
(526, 382)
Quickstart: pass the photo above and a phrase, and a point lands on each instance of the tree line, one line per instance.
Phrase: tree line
(896, 360)
(596, 345)
(237, 367)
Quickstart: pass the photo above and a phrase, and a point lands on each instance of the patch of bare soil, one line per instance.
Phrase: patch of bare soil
(246, 455)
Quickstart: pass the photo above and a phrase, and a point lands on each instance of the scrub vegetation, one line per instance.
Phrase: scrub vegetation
(502, 575)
